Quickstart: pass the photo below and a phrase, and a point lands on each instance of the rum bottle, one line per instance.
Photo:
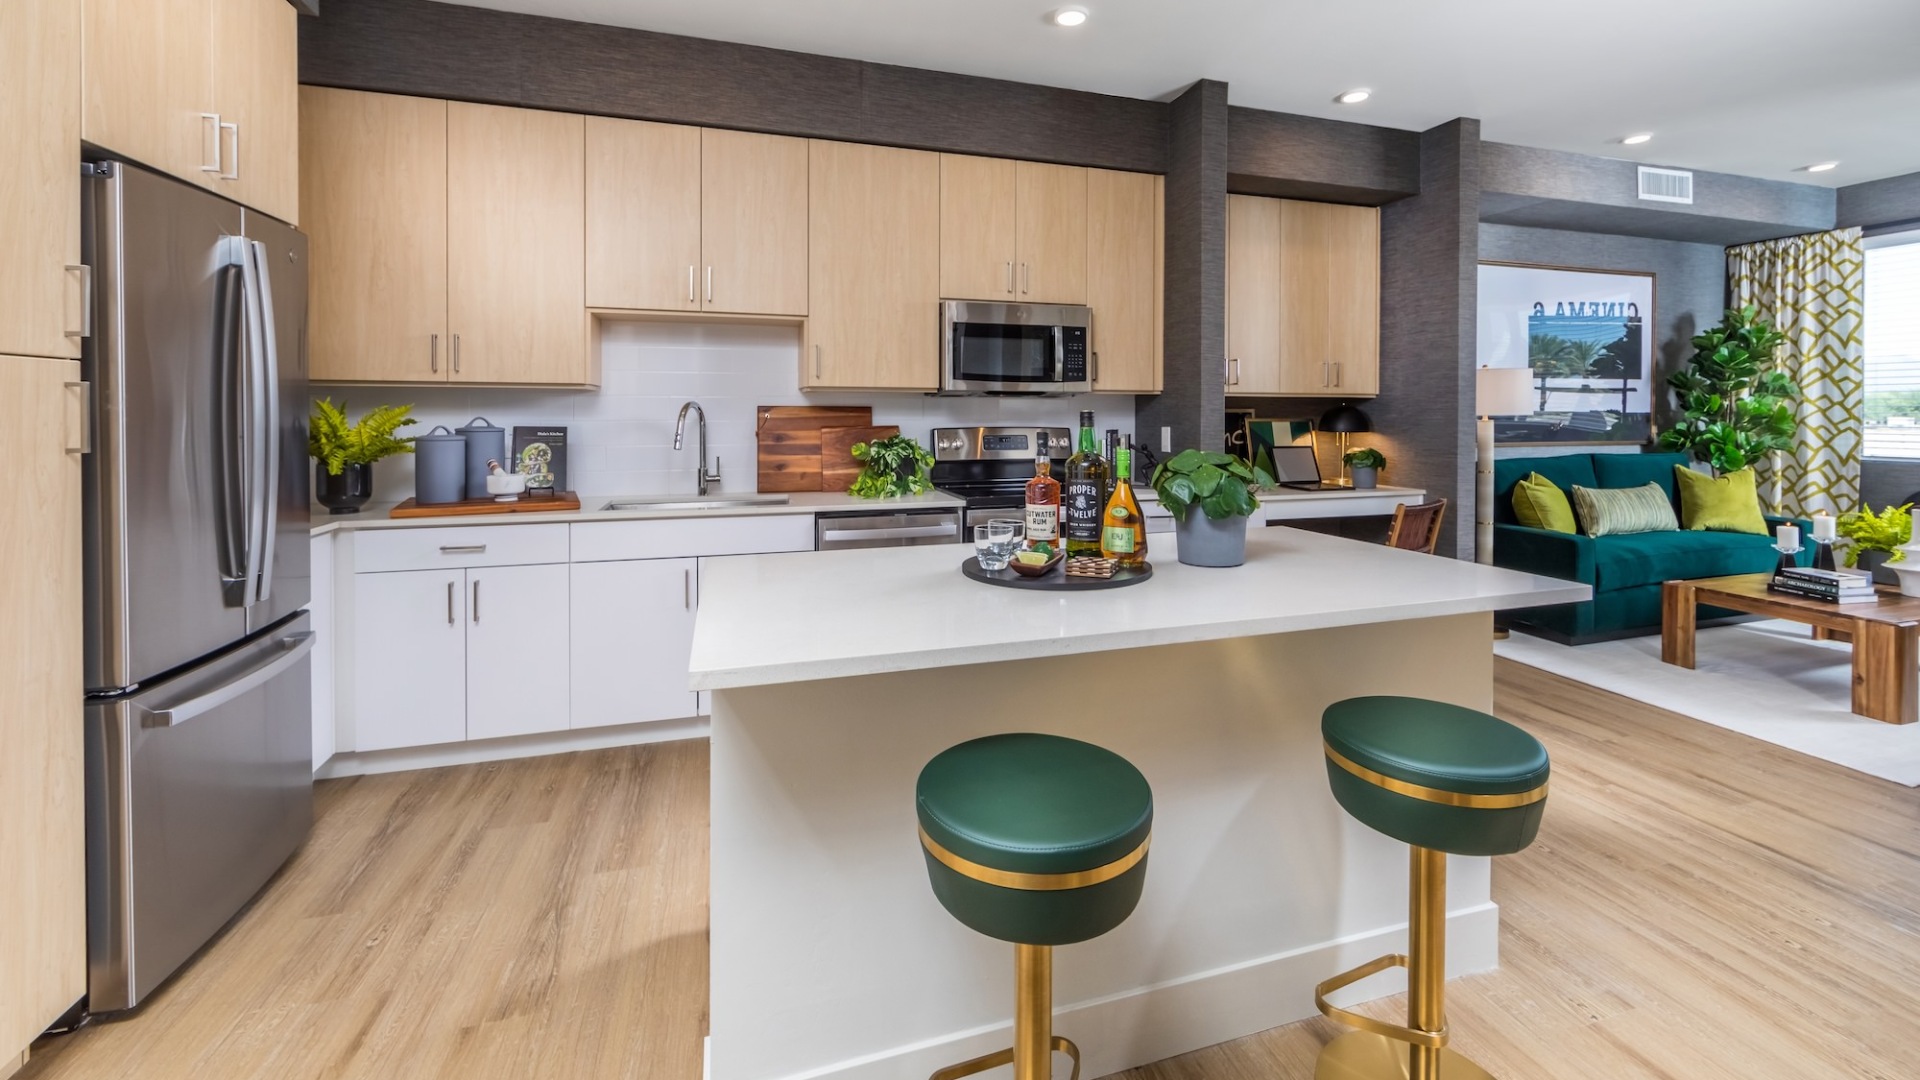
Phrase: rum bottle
(1085, 492)
(1123, 533)
(1043, 498)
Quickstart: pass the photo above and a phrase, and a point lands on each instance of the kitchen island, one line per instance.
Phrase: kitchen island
(835, 676)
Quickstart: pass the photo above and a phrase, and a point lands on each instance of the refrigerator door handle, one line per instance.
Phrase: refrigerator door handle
(256, 438)
(293, 649)
(229, 349)
(270, 422)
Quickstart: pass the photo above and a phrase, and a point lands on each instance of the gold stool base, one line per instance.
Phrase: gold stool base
(1362, 1055)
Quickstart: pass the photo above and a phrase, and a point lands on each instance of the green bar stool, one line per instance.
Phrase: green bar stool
(1041, 841)
(1443, 779)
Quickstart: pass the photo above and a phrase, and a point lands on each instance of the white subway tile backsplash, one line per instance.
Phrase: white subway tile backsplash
(620, 438)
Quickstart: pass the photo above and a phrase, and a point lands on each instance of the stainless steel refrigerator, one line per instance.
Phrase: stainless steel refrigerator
(199, 713)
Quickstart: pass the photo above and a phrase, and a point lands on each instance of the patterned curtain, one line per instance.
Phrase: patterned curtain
(1811, 288)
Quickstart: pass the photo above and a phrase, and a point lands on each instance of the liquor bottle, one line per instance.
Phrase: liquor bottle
(1123, 533)
(1085, 493)
(1112, 445)
(1043, 498)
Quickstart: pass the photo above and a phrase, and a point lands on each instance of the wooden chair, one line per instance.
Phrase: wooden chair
(1417, 528)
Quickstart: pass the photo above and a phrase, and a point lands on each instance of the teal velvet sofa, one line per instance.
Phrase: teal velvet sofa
(1625, 571)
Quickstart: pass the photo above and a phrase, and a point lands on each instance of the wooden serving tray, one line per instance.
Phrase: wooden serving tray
(1055, 580)
(563, 500)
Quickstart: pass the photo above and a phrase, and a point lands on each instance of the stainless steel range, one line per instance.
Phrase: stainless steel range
(989, 466)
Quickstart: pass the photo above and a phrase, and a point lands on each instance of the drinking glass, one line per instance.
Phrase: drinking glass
(993, 543)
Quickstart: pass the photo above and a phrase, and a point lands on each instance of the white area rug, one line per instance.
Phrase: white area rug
(1768, 680)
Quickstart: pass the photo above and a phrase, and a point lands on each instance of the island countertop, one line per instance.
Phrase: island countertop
(768, 619)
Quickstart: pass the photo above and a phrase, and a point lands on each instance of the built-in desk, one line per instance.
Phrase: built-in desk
(1285, 504)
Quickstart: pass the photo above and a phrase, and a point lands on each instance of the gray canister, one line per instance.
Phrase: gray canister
(485, 442)
(439, 467)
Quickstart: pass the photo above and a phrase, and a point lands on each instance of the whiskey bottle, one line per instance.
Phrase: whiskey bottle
(1085, 493)
(1123, 534)
(1043, 498)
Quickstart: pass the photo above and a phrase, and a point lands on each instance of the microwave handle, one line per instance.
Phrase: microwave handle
(1060, 350)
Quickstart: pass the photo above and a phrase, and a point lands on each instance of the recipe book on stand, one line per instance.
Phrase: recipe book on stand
(1838, 586)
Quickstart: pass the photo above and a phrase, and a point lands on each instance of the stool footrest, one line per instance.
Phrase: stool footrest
(1005, 1057)
(1415, 1036)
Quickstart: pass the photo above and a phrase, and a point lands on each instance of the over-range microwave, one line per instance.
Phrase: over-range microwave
(991, 348)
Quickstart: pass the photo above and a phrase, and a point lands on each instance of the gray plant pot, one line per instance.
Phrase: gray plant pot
(1365, 476)
(1875, 563)
(1206, 542)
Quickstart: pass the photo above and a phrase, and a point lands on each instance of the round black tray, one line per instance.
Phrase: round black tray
(1057, 579)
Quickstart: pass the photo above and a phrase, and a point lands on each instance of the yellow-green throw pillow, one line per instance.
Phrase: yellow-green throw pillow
(1729, 503)
(1540, 504)
(1617, 511)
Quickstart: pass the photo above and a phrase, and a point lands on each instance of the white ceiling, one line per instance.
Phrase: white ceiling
(1756, 87)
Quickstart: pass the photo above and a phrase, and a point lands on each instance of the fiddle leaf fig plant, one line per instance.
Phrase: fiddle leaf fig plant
(1736, 399)
(336, 442)
(1889, 531)
(895, 466)
(1220, 484)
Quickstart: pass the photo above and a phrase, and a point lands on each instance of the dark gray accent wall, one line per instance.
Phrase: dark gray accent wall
(1893, 201)
(1429, 247)
(1553, 189)
(1689, 285)
(1305, 157)
(474, 54)
(1193, 399)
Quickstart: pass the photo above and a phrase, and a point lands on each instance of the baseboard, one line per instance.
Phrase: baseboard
(1168, 1019)
(370, 762)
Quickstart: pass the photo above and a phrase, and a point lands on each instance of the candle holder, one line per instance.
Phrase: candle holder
(1787, 560)
(1823, 555)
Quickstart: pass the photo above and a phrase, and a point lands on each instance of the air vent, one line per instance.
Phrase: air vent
(1666, 185)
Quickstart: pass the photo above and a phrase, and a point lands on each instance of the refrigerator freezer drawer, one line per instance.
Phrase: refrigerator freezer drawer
(198, 789)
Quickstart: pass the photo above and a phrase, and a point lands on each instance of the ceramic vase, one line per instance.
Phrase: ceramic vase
(343, 494)
(1365, 476)
(1204, 541)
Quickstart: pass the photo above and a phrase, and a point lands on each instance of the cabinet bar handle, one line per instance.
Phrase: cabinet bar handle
(449, 603)
(456, 354)
(234, 172)
(476, 602)
(1009, 277)
(1094, 375)
(86, 417)
(686, 588)
(86, 300)
(1026, 278)
(212, 121)
(433, 352)
(1336, 374)
(691, 298)
(816, 361)
(709, 284)
(463, 549)
(1326, 378)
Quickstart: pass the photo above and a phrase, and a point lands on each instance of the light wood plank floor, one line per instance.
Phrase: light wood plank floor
(1699, 905)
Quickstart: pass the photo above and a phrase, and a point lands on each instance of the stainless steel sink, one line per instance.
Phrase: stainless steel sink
(697, 502)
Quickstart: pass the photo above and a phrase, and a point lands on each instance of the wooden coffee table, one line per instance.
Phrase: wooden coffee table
(1885, 635)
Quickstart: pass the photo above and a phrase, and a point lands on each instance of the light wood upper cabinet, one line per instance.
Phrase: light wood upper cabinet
(148, 74)
(874, 268)
(753, 223)
(1303, 298)
(979, 230)
(43, 946)
(42, 301)
(1053, 233)
(516, 208)
(257, 93)
(375, 191)
(643, 215)
(1253, 295)
(1123, 284)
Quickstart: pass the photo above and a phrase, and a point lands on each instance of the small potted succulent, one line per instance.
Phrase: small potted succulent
(1211, 498)
(344, 452)
(1364, 464)
(1874, 540)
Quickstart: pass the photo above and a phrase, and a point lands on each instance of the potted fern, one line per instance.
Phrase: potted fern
(344, 452)
(1874, 540)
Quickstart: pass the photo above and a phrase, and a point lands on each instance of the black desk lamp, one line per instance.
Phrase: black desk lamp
(1345, 420)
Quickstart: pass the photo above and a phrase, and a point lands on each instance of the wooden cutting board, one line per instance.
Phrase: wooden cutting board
(564, 500)
(788, 438)
(838, 469)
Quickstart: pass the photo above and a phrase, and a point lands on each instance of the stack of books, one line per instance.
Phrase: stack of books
(1836, 586)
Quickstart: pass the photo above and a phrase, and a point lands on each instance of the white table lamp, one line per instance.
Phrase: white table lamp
(1496, 392)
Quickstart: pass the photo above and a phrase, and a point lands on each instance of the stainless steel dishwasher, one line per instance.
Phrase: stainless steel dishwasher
(891, 528)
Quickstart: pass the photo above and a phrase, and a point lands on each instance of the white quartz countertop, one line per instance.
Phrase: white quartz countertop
(374, 515)
(768, 619)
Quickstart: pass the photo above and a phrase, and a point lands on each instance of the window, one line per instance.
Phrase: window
(1892, 332)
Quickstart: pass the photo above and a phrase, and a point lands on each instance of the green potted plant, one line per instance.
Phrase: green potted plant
(1875, 540)
(1364, 464)
(1211, 497)
(1736, 401)
(344, 452)
(894, 466)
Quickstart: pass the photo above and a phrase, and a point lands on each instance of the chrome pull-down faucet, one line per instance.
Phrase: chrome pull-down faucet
(679, 435)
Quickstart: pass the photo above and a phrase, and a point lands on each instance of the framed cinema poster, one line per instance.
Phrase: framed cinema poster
(1587, 335)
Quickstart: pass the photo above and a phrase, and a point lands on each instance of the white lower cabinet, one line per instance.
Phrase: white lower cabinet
(632, 639)
(410, 659)
(516, 650)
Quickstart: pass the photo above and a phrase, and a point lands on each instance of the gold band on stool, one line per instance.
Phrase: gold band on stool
(1034, 1042)
(1417, 1051)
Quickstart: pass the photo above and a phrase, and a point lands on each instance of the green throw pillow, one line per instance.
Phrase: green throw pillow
(1617, 511)
(1729, 503)
(1540, 504)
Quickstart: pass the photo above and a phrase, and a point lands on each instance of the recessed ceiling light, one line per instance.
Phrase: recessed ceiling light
(1636, 140)
(1068, 16)
(1354, 97)
(1822, 166)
